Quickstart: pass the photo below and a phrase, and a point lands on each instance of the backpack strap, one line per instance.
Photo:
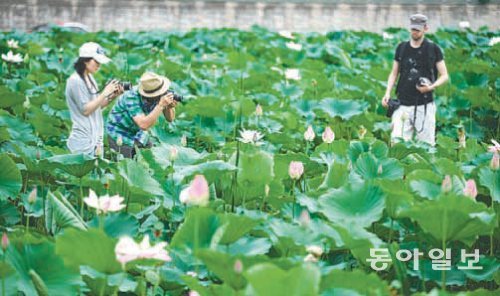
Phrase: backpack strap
(404, 45)
(431, 58)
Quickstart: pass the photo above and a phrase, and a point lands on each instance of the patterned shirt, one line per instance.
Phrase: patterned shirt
(120, 120)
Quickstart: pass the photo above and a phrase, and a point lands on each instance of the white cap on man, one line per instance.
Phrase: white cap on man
(95, 51)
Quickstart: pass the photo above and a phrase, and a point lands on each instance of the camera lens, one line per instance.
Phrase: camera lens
(126, 85)
(178, 98)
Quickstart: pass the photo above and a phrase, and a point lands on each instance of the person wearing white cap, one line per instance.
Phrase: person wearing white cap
(137, 111)
(85, 101)
(420, 66)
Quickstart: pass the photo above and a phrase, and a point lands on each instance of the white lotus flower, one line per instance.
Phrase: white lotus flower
(310, 258)
(494, 41)
(464, 25)
(294, 46)
(12, 58)
(317, 251)
(286, 34)
(309, 134)
(104, 203)
(127, 250)
(292, 74)
(12, 43)
(251, 137)
(387, 36)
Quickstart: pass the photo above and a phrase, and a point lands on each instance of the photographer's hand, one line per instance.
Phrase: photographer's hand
(385, 100)
(169, 113)
(425, 88)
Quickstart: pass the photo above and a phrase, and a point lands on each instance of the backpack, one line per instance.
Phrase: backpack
(430, 56)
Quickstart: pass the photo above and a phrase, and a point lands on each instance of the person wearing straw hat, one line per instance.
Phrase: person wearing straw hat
(85, 102)
(420, 66)
(137, 111)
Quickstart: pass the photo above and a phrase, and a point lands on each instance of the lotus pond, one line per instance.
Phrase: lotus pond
(286, 136)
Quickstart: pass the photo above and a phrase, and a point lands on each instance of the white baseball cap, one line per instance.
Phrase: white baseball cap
(95, 51)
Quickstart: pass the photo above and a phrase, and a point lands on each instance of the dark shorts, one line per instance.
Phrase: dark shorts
(125, 150)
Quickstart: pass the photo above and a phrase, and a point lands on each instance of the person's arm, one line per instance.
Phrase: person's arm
(100, 100)
(169, 112)
(443, 77)
(390, 83)
(144, 122)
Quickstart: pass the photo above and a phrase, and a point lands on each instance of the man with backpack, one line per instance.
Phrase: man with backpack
(421, 68)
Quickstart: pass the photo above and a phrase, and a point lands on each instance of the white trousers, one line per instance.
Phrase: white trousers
(424, 127)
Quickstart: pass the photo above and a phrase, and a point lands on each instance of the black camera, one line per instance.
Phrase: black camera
(392, 105)
(177, 97)
(125, 84)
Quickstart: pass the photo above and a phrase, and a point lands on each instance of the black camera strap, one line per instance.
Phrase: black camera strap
(414, 123)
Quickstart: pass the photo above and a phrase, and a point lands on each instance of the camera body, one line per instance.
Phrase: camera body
(177, 97)
(424, 81)
(127, 85)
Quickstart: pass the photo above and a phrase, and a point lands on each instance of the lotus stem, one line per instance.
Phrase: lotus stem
(81, 198)
(391, 231)
(294, 200)
(28, 222)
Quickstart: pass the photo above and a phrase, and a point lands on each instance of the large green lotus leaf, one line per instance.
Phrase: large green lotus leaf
(222, 265)
(454, 276)
(198, 230)
(44, 124)
(185, 156)
(357, 280)
(490, 266)
(77, 165)
(248, 246)
(398, 198)
(105, 284)
(10, 98)
(9, 214)
(40, 270)
(93, 248)
(118, 224)
(61, 214)
(337, 175)
(206, 106)
(358, 241)
(256, 168)
(453, 218)
(268, 279)
(356, 148)
(353, 205)
(370, 168)
(425, 183)
(235, 226)
(306, 108)
(138, 178)
(210, 169)
(401, 150)
(10, 179)
(491, 179)
(345, 109)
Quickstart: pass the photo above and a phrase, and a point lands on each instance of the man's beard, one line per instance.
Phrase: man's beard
(417, 38)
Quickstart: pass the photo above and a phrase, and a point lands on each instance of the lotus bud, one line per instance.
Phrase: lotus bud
(404, 116)
(37, 154)
(380, 170)
(362, 132)
(33, 195)
(119, 141)
(495, 161)
(310, 258)
(304, 218)
(193, 293)
(316, 251)
(192, 274)
(258, 110)
(214, 67)
(309, 134)
(5, 241)
(197, 193)
(328, 135)
(183, 141)
(238, 266)
(446, 185)
(173, 153)
(295, 170)
(27, 103)
(461, 138)
(470, 189)
(266, 190)
(314, 82)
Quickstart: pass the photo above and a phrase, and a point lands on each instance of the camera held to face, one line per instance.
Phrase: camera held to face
(177, 97)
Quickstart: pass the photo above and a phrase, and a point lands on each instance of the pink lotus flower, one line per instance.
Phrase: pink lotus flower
(104, 203)
(5, 241)
(495, 147)
(197, 193)
(304, 218)
(470, 189)
(328, 135)
(495, 161)
(127, 250)
(446, 185)
(174, 153)
(309, 134)
(33, 195)
(238, 266)
(193, 293)
(295, 170)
